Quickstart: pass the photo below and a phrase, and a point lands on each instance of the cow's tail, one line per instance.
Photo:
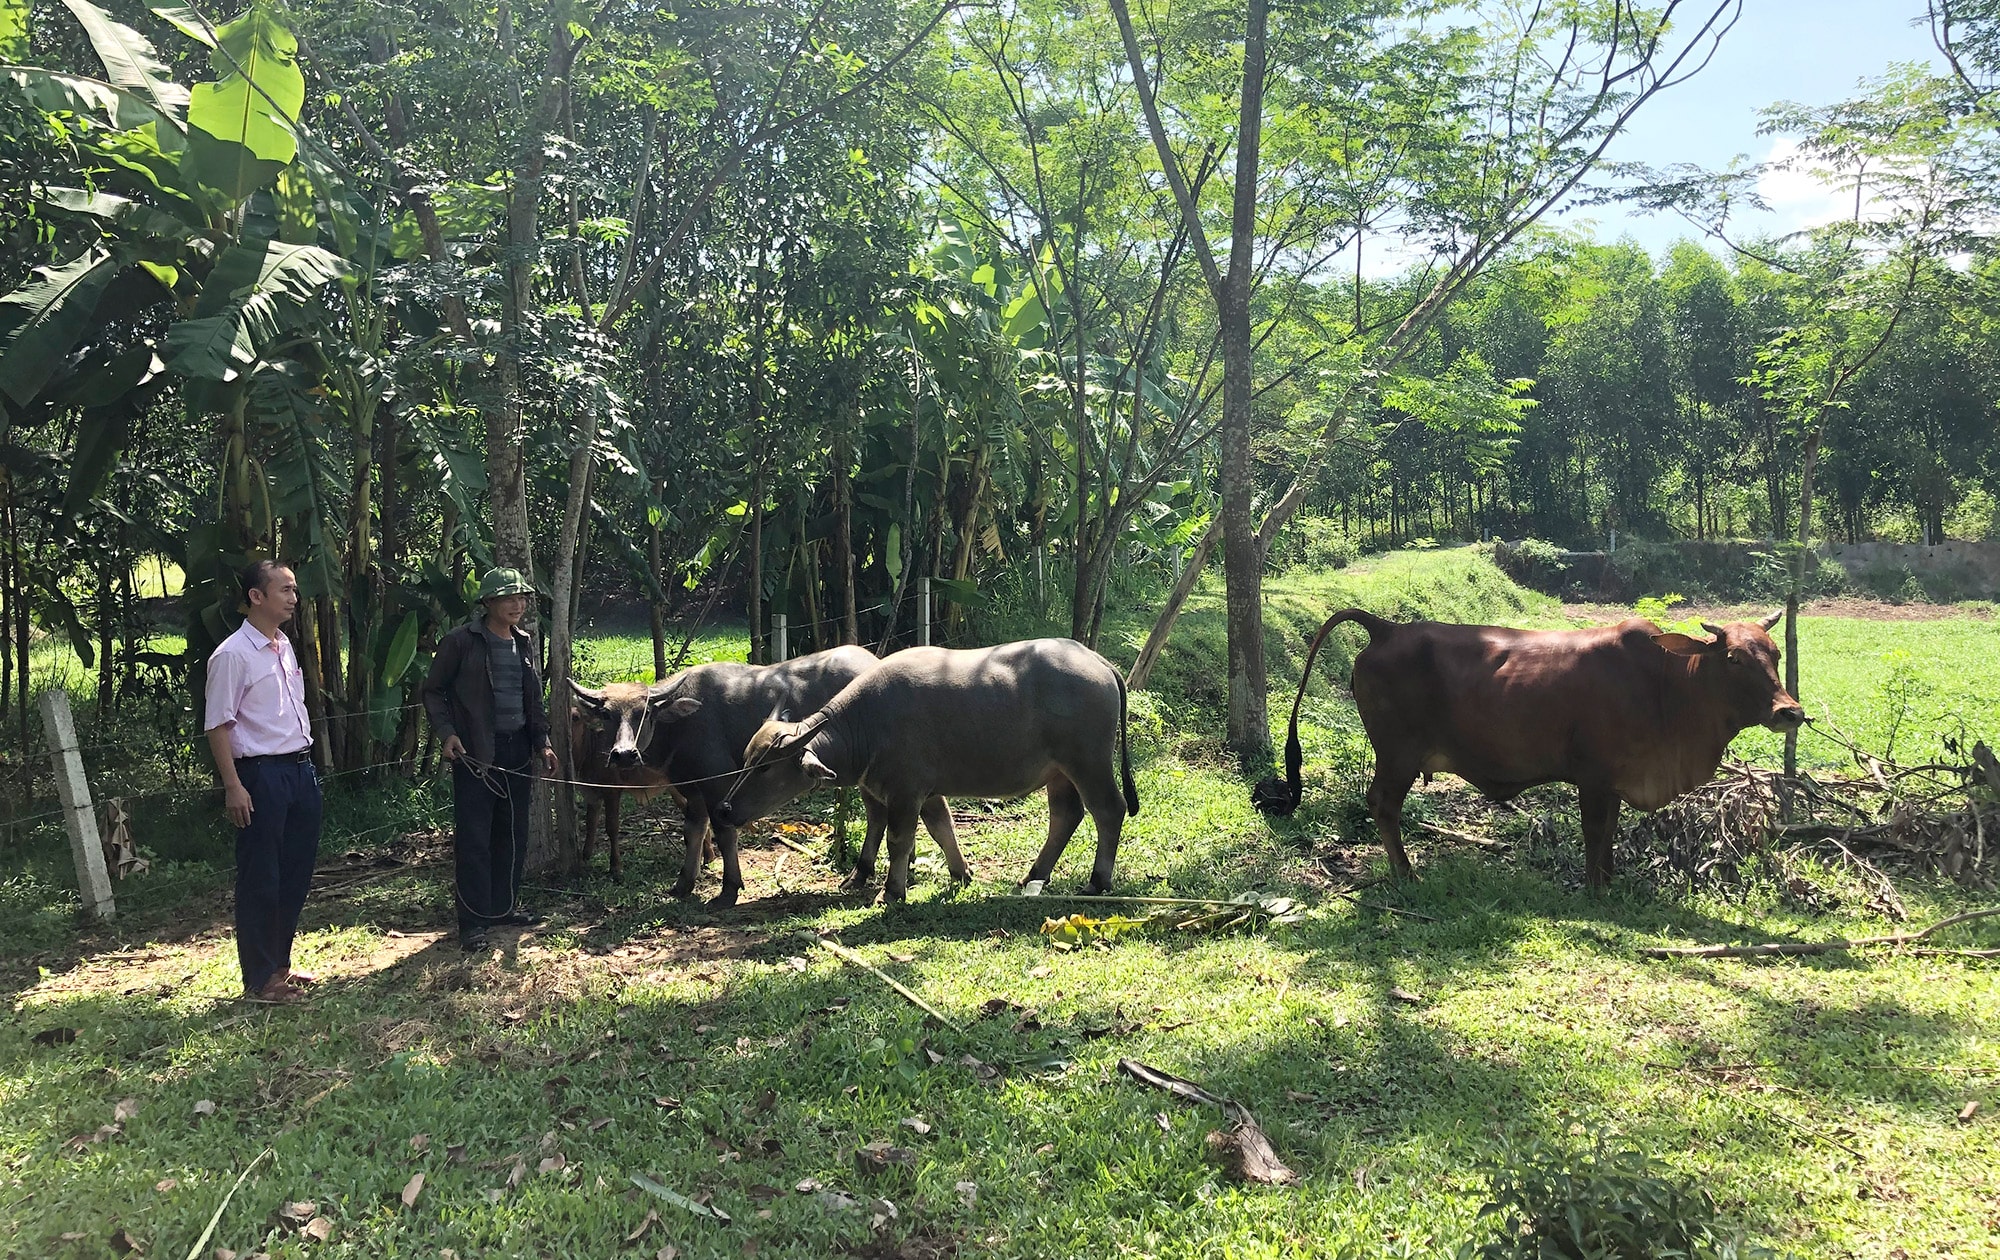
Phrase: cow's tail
(1125, 746)
(1270, 795)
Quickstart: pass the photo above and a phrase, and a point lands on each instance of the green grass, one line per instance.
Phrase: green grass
(724, 1054)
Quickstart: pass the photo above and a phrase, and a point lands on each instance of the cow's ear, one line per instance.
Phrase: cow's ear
(665, 710)
(1681, 645)
(818, 769)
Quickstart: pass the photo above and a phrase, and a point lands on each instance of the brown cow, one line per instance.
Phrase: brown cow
(607, 779)
(1628, 713)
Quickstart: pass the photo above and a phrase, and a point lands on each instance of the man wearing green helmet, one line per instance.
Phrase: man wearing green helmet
(484, 698)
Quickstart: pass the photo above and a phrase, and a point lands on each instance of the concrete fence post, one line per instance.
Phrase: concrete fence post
(780, 646)
(84, 845)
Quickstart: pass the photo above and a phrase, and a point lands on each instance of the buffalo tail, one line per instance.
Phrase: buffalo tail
(1125, 747)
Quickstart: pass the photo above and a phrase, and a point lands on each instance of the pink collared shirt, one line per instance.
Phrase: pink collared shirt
(258, 691)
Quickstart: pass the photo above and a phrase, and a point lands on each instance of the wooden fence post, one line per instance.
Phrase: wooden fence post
(91, 878)
(782, 650)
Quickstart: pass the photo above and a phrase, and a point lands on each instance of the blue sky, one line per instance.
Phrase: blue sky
(1814, 52)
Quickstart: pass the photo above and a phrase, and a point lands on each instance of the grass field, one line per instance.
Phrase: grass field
(1397, 1049)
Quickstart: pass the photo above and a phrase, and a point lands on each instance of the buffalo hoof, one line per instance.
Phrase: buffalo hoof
(724, 899)
(681, 891)
(857, 881)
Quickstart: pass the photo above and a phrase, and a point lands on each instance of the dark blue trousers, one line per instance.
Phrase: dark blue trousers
(490, 821)
(275, 855)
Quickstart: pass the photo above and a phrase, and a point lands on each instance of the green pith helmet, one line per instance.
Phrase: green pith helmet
(498, 582)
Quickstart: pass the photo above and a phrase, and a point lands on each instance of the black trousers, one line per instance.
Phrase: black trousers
(490, 844)
(275, 855)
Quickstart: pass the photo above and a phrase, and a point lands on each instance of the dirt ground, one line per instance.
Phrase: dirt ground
(1838, 606)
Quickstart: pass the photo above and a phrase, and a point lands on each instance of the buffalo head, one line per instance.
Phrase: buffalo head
(624, 717)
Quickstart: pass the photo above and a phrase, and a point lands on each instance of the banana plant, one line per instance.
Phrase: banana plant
(169, 262)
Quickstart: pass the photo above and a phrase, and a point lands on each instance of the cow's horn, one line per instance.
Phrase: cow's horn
(584, 691)
(1773, 619)
(1714, 631)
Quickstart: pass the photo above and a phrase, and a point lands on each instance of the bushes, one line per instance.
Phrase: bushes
(1313, 542)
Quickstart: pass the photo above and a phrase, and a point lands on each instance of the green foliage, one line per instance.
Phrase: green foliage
(241, 126)
(1312, 541)
(1605, 1203)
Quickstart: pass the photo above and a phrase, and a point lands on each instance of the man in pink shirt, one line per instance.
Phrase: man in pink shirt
(261, 739)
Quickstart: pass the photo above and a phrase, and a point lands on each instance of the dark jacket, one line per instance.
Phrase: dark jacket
(458, 692)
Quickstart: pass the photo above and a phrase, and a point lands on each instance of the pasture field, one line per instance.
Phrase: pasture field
(1401, 1045)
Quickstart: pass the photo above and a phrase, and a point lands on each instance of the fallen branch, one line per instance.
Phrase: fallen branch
(794, 846)
(1810, 947)
(1484, 842)
(847, 955)
(1371, 905)
(1255, 1158)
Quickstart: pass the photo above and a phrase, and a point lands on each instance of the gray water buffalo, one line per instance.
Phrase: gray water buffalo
(597, 723)
(987, 722)
(693, 728)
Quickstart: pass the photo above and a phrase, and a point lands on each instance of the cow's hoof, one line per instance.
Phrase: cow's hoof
(722, 900)
(681, 892)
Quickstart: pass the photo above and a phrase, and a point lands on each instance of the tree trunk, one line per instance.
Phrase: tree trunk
(561, 850)
(1142, 669)
(843, 536)
(657, 615)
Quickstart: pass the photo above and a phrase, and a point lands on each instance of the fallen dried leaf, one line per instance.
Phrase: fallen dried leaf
(518, 1174)
(968, 1192)
(554, 1163)
(224, 1253)
(124, 1244)
(125, 1110)
(319, 1229)
(831, 1201)
(1039, 973)
(204, 1108)
(880, 1213)
(413, 1188)
(1401, 994)
(1295, 1096)
(668, 1104)
(597, 1126)
(807, 1185)
(667, 1252)
(1166, 1125)
(915, 1125)
(455, 1153)
(796, 963)
(646, 1223)
(902, 958)
(297, 1214)
(879, 1157)
(420, 1143)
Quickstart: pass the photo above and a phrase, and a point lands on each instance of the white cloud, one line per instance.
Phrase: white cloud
(1798, 193)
